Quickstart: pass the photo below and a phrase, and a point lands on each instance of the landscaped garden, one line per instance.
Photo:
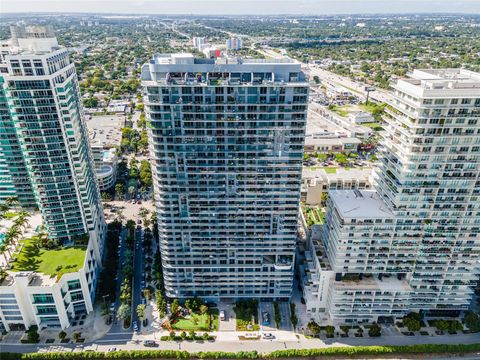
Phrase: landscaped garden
(313, 215)
(194, 315)
(57, 261)
(246, 312)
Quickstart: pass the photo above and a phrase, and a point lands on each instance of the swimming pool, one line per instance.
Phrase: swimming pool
(2, 236)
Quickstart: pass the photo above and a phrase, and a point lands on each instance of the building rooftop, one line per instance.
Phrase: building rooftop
(340, 173)
(441, 83)
(54, 262)
(184, 68)
(359, 204)
(324, 140)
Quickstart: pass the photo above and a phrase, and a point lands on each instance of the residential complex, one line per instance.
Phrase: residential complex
(48, 142)
(226, 142)
(233, 43)
(413, 243)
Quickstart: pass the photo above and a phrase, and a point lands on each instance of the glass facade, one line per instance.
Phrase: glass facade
(227, 152)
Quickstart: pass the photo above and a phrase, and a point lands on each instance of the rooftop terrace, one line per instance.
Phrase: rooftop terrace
(359, 204)
(55, 262)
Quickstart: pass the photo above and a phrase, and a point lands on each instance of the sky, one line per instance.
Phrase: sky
(239, 7)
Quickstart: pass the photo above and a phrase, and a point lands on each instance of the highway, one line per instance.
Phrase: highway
(344, 82)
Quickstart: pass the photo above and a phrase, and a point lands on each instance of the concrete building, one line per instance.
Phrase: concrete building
(211, 52)
(334, 144)
(43, 99)
(199, 43)
(106, 163)
(234, 43)
(360, 117)
(317, 181)
(226, 140)
(413, 243)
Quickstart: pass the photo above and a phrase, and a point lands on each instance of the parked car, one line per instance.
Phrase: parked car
(222, 315)
(149, 343)
(268, 336)
(112, 349)
(135, 326)
(265, 318)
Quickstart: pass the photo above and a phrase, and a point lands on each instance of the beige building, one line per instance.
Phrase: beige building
(315, 182)
(320, 144)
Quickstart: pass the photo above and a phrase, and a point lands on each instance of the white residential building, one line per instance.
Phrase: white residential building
(199, 43)
(106, 164)
(226, 138)
(234, 43)
(50, 137)
(413, 244)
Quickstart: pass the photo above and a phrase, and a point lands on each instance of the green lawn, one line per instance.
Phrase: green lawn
(9, 215)
(330, 170)
(197, 322)
(373, 125)
(340, 110)
(49, 262)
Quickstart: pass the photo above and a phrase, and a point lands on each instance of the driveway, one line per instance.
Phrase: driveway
(230, 322)
(285, 323)
(266, 306)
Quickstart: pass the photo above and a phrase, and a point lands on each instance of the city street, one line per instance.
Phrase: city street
(124, 341)
(138, 274)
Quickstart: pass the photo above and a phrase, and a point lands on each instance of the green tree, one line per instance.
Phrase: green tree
(91, 102)
(62, 335)
(124, 312)
(141, 311)
(472, 321)
(314, 328)
(77, 336)
(375, 330)
(120, 189)
(330, 331)
(145, 173)
(174, 306)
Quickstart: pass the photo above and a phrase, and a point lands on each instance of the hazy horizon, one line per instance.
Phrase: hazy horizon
(237, 7)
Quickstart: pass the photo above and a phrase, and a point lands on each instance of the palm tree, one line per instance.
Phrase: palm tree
(12, 234)
(3, 250)
(11, 201)
(22, 219)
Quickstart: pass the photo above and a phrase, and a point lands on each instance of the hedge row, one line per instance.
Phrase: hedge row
(176, 354)
(376, 350)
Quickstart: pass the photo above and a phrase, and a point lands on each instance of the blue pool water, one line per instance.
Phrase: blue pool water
(2, 236)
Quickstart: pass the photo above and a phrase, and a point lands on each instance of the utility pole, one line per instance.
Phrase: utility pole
(368, 89)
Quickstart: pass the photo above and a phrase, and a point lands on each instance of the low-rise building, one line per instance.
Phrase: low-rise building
(106, 162)
(322, 144)
(360, 117)
(315, 182)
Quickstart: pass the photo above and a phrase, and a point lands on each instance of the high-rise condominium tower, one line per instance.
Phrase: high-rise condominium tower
(413, 244)
(43, 98)
(226, 141)
(44, 150)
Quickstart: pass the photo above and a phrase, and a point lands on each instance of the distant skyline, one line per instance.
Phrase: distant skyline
(241, 7)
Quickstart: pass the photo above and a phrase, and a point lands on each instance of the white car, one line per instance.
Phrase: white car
(112, 349)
